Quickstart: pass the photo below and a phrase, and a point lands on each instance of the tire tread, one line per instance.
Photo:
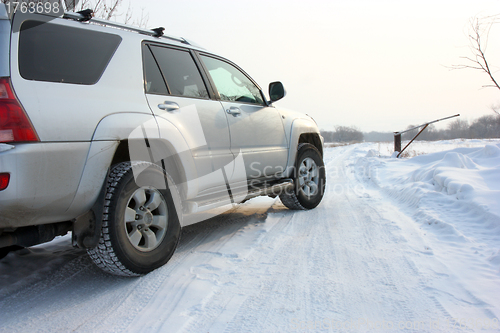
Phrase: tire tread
(103, 255)
(290, 199)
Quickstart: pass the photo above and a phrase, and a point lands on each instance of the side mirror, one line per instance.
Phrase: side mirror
(276, 91)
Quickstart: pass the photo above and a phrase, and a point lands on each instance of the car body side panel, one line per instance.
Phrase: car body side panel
(93, 177)
(257, 133)
(44, 180)
(204, 127)
(177, 147)
(120, 126)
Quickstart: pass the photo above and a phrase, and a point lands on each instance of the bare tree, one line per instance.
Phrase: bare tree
(486, 127)
(105, 9)
(479, 30)
(327, 135)
(343, 134)
(496, 108)
(140, 21)
(459, 128)
(347, 134)
(110, 9)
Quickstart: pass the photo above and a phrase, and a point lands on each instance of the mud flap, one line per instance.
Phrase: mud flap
(87, 227)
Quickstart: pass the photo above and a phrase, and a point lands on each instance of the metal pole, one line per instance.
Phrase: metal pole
(413, 139)
(397, 142)
(431, 122)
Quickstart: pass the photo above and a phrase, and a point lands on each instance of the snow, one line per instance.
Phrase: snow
(454, 197)
(408, 244)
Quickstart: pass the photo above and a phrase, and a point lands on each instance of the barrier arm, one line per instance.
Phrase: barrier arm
(397, 135)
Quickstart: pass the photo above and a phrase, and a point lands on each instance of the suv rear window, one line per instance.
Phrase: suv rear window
(56, 53)
(180, 71)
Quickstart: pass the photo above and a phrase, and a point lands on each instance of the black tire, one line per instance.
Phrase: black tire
(4, 251)
(140, 225)
(309, 179)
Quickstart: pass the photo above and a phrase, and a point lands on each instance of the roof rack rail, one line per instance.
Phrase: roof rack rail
(158, 32)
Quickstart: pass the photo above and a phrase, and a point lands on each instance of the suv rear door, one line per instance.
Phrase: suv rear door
(176, 92)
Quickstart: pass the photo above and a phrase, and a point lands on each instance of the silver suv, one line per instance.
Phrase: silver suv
(124, 135)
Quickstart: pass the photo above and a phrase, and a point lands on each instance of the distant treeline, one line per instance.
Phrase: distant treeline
(485, 127)
(343, 134)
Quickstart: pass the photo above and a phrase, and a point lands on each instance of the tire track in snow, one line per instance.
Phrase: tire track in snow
(393, 275)
(228, 295)
(107, 299)
(200, 271)
(322, 258)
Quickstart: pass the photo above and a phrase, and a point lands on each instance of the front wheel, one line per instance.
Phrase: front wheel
(140, 225)
(309, 178)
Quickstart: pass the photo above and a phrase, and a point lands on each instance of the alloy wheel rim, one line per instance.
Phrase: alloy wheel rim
(146, 219)
(308, 177)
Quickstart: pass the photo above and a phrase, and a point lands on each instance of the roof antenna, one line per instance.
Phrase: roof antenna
(158, 31)
(87, 15)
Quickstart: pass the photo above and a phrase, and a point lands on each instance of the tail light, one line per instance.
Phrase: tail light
(4, 181)
(14, 124)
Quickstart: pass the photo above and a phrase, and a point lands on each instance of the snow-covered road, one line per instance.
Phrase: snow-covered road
(359, 262)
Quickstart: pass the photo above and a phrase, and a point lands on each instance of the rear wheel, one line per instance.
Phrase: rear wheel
(309, 178)
(140, 225)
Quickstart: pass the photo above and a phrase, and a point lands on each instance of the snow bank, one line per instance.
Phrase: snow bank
(470, 175)
(453, 194)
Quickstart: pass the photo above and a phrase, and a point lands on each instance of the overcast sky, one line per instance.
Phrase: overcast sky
(377, 65)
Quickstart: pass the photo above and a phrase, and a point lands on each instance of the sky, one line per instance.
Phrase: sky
(376, 65)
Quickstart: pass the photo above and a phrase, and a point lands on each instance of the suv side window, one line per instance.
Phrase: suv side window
(180, 72)
(232, 84)
(153, 80)
(56, 53)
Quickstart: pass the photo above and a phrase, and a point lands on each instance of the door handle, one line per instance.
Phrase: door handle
(168, 106)
(234, 111)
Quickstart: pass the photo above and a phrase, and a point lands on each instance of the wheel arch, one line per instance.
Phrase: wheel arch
(314, 139)
(119, 140)
(302, 131)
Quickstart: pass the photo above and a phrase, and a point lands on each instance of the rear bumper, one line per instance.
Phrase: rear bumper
(44, 179)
